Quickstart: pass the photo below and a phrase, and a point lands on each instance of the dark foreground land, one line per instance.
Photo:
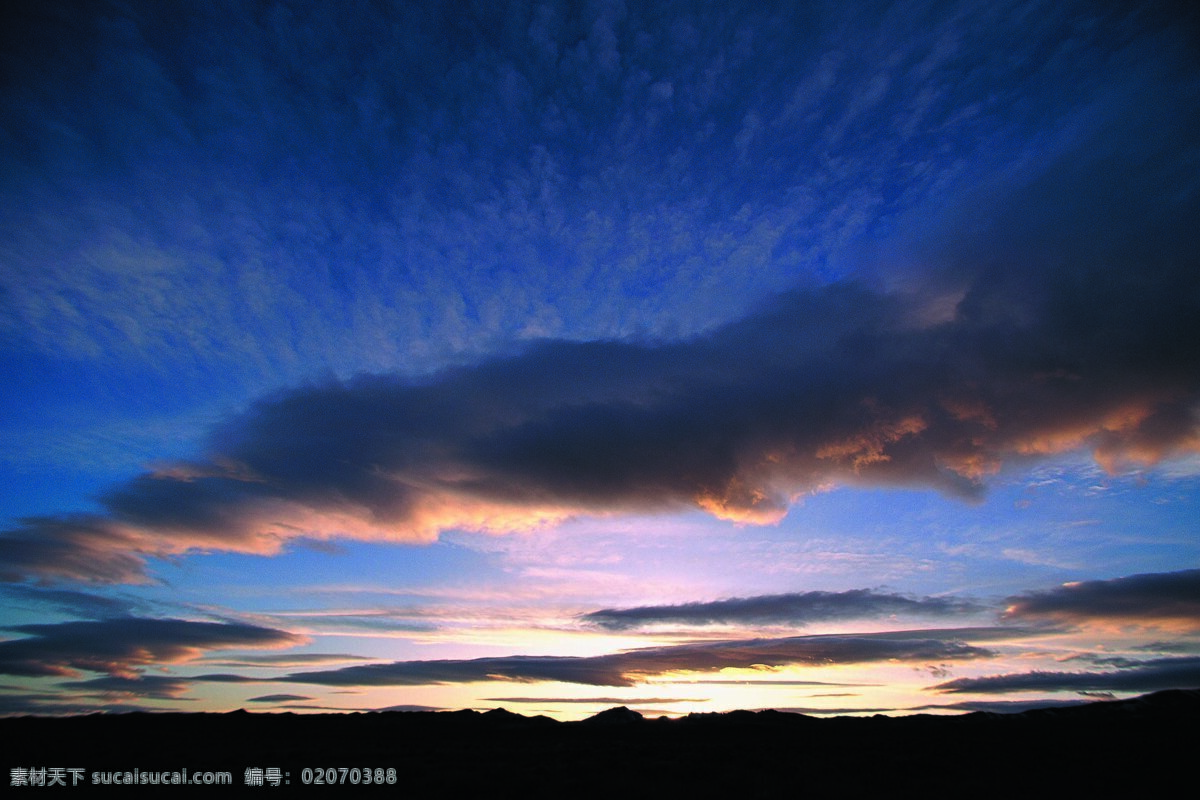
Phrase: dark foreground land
(1149, 745)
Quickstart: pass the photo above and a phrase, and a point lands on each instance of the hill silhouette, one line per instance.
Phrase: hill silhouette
(1141, 744)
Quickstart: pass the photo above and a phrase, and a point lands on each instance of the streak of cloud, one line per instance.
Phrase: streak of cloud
(279, 698)
(798, 608)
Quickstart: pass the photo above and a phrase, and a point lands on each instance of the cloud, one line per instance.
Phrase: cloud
(1134, 676)
(279, 698)
(989, 706)
(75, 546)
(121, 646)
(283, 659)
(156, 686)
(630, 667)
(800, 608)
(826, 386)
(1169, 599)
(75, 603)
(1036, 301)
(604, 701)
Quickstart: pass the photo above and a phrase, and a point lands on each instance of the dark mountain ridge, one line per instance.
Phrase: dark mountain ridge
(1140, 744)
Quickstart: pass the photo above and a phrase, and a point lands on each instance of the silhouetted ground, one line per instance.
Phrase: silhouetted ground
(1144, 745)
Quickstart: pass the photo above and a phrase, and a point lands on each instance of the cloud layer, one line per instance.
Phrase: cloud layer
(630, 667)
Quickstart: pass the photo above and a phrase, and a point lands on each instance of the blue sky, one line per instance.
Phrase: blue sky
(558, 355)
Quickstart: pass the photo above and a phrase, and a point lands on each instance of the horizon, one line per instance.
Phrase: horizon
(560, 358)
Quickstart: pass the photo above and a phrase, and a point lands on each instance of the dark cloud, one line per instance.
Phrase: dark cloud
(837, 385)
(121, 646)
(155, 686)
(629, 667)
(279, 698)
(799, 608)
(1134, 676)
(400, 707)
(73, 546)
(1165, 598)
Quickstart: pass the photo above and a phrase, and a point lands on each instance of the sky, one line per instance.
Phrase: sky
(826, 357)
